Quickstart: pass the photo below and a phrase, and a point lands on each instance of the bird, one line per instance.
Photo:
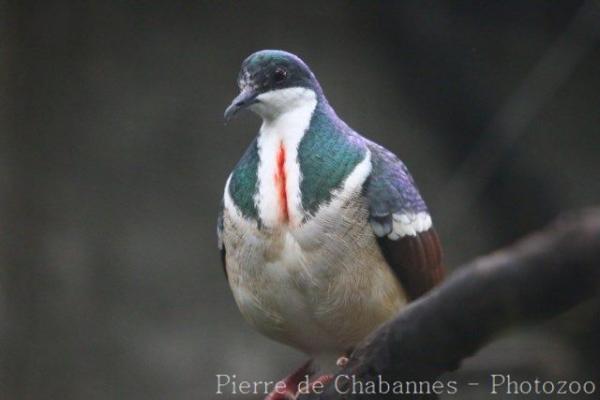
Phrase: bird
(323, 233)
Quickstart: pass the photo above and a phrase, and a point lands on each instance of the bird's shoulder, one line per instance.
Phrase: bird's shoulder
(242, 182)
(392, 193)
(220, 244)
(401, 223)
(240, 188)
(327, 155)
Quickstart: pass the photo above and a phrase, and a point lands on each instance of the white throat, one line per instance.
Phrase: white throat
(286, 115)
(276, 103)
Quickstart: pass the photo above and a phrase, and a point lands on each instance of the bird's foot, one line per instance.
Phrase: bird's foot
(284, 395)
(317, 385)
(314, 386)
(287, 388)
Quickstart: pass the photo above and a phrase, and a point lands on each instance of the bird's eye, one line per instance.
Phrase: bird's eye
(280, 75)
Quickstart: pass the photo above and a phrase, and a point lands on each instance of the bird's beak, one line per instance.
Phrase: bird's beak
(246, 98)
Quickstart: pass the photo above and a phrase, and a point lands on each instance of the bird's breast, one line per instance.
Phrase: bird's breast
(279, 199)
(321, 286)
(280, 180)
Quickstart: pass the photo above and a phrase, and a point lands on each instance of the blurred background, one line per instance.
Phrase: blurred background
(114, 154)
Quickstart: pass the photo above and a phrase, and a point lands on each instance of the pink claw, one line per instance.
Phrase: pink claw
(342, 361)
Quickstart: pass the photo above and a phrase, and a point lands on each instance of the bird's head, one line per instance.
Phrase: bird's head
(273, 82)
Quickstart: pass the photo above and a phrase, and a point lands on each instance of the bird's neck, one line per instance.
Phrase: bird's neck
(304, 155)
(279, 198)
(294, 165)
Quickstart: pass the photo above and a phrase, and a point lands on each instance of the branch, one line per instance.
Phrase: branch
(539, 277)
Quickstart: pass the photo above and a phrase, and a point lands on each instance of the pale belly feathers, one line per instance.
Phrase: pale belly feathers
(320, 286)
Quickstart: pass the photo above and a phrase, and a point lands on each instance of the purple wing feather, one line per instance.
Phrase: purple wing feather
(415, 259)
